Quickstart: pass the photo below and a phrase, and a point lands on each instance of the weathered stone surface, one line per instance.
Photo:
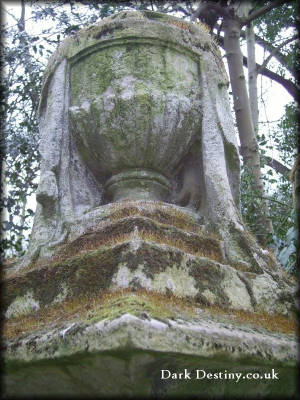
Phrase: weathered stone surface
(79, 350)
(137, 373)
(205, 338)
(57, 318)
(139, 195)
(135, 108)
(154, 246)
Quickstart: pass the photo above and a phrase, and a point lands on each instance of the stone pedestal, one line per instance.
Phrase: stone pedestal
(146, 288)
(153, 246)
(142, 356)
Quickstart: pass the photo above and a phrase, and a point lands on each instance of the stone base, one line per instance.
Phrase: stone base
(143, 289)
(126, 356)
(159, 248)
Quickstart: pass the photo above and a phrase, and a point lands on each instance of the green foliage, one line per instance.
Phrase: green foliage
(280, 206)
(277, 20)
(284, 139)
(286, 134)
(21, 86)
(251, 204)
(275, 27)
(287, 254)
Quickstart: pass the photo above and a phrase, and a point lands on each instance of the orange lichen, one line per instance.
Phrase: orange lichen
(106, 304)
(111, 304)
(270, 322)
(157, 211)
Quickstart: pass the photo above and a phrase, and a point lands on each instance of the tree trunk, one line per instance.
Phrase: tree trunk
(21, 22)
(252, 76)
(249, 146)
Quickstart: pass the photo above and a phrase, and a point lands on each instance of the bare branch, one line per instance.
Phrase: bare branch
(21, 22)
(9, 13)
(277, 166)
(275, 50)
(289, 86)
(263, 10)
(280, 57)
(275, 201)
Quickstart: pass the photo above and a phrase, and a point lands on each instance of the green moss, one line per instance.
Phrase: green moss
(149, 63)
(154, 15)
(145, 304)
(232, 160)
(149, 230)
(132, 86)
(129, 25)
(102, 305)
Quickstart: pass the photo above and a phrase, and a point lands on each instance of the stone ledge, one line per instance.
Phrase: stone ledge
(144, 227)
(205, 338)
(143, 264)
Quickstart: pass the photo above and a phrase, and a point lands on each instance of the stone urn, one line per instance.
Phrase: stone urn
(136, 107)
(135, 111)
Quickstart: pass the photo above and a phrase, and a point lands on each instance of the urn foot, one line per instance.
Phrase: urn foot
(138, 184)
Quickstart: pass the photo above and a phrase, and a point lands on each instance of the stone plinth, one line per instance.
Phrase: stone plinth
(145, 287)
(124, 354)
(156, 247)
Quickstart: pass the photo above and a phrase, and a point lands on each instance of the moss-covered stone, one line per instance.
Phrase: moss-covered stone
(157, 247)
(22, 305)
(146, 229)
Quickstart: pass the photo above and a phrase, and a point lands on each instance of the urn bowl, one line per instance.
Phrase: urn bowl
(135, 110)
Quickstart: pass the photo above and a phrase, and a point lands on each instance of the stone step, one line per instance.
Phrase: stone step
(147, 229)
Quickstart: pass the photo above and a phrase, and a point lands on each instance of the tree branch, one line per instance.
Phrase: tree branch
(275, 50)
(277, 54)
(289, 86)
(281, 58)
(7, 12)
(263, 10)
(21, 22)
(274, 201)
(275, 164)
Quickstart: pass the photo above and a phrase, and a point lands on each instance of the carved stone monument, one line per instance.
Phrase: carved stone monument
(139, 197)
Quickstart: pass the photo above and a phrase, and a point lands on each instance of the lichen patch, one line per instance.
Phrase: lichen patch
(22, 305)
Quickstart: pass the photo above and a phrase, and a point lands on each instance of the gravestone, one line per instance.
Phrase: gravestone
(138, 242)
